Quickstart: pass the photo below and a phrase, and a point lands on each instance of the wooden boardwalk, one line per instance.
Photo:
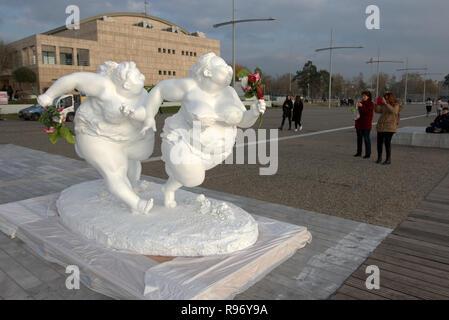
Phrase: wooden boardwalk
(338, 247)
(413, 260)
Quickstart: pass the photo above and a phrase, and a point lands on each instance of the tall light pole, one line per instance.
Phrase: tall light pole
(331, 48)
(378, 61)
(146, 4)
(424, 91)
(407, 69)
(234, 22)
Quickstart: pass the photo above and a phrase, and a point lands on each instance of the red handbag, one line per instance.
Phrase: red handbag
(380, 101)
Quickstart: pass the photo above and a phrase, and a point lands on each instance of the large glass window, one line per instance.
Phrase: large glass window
(25, 58)
(48, 54)
(83, 57)
(33, 55)
(66, 56)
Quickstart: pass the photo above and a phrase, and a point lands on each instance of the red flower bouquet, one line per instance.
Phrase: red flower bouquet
(253, 86)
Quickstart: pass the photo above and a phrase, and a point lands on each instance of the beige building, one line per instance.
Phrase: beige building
(161, 49)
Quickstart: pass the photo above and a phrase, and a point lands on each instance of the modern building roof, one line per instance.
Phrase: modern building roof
(119, 14)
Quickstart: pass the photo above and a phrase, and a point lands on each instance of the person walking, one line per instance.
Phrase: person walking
(287, 112)
(429, 104)
(364, 124)
(297, 113)
(387, 125)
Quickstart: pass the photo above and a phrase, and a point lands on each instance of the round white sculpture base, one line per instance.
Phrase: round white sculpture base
(198, 226)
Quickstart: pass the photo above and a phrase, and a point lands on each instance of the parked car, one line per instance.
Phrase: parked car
(69, 103)
(31, 113)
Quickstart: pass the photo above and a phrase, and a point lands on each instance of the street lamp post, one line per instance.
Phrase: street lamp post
(331, 48)
(378, 61)
(234, 22)
(407, 69)
(424, 91)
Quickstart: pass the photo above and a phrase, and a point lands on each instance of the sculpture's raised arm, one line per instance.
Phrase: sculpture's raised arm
(249, 116)
(91, 84)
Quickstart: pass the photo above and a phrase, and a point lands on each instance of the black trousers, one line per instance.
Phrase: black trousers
(297, 120)
(384, 138)
(289, 117)
(364, 135)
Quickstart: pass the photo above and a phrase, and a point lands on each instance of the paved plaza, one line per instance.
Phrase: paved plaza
(349, 204)
(316, 170)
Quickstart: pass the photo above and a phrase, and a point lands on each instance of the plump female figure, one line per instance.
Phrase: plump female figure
(202, 134)
(108, 140)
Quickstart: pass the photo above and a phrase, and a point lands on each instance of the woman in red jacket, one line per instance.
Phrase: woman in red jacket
(363, 124)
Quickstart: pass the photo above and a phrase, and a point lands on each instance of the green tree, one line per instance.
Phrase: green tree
(338, 85)
(308, 79)
(24, 75)
(324, 83)
(446, 81)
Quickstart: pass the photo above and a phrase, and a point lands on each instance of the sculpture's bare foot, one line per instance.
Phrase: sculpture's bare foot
(170, 204)
(169, 198)
(144, 207)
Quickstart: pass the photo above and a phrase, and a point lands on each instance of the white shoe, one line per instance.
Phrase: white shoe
(300, 128)
(296, 130)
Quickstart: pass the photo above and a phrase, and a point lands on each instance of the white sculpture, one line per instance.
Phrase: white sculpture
(207, 101)
(115, 130)
(111, 142)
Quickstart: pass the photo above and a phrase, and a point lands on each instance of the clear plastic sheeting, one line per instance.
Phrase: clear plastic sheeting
(123, 275)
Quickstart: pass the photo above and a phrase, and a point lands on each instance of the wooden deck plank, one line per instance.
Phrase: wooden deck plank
(341, 296)
(405, 285)
(359, 293)
(430, 217)
(412, 252)
(408, 242)
(424, 236)
(413, 259)
(382, 291)
(434, 228)
(387, 255)
(441, 281)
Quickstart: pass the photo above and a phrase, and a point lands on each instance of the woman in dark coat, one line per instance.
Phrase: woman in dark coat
(363, 124)
(297, 113)
(287, 112)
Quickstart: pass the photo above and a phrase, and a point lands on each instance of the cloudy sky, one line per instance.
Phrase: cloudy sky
(415, 29)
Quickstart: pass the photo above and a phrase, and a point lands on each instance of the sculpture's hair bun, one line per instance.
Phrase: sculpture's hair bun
(107, 68)
(202, 63)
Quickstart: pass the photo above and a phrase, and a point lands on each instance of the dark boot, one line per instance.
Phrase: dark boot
(387, 161)
(379, 157)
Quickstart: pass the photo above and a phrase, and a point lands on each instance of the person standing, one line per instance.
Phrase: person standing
(439, 107)
(10, 92)
(429, 104)
(364, 124)
(387, 125)
(297, 112)
(287, 112)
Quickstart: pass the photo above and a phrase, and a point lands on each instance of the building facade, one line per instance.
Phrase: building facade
(160, 49)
